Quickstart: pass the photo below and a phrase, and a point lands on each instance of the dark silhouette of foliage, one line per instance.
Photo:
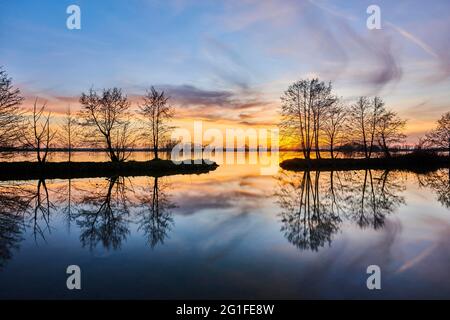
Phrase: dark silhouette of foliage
(157, 112)
(303, 109)
(440, 136)
(39, 136)
(11, 115)
(107, 115)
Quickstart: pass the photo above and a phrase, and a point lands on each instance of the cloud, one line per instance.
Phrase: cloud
(193, 102)
(320, 39)
(227, 64)
(366, 57)
(188, 95)
(414, 39)
(242, 14)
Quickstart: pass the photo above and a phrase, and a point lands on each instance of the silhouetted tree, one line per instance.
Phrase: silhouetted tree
(303, 108)
(334, 126)
(157, 113)
(390, 131)
(364, 119)
(440, 136)
(108, 115)
(39, 135)
(125, 141)
(69, 132)
(11, 115)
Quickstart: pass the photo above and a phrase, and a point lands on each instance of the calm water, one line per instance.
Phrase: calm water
(231, 233)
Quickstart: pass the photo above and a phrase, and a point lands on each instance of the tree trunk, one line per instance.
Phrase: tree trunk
(112, 154)
(385, 148)
(331, 149)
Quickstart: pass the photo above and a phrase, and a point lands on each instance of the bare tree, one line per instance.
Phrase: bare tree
(157, 113)
(390, 131)
(124, 141)
(365, 115)
(108, 117)
(302, 110)
(69, 132)
(40, 135)
(334, 126)
(11, 116)
(324, 101)
(440, 136)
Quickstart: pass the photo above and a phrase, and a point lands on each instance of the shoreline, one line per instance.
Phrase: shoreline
(409, 162)
(66, 170)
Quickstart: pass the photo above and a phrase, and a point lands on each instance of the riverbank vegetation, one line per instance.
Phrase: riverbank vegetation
(105, 121)
(316, 119)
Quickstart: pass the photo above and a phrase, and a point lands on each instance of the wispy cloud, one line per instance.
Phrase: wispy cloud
(409, 36)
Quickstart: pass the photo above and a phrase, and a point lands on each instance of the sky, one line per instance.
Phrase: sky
(228, 62)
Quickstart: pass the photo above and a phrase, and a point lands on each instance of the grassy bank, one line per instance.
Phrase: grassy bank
(415, 162)
(68, 170)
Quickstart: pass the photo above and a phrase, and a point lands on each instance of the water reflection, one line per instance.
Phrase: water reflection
(101, 209)
(155, 215)
(313, 207)
(41, 207)
(439, 181)
(315, 204)
(103, 214)
(372, 195)
(308, 219)
(11, 222)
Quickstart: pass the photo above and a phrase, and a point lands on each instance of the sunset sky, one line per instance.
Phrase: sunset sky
(228, 62)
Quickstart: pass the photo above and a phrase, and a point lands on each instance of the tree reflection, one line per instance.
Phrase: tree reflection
(370, 197)
(439, 182)
(101, 210)
(102, 216)
(315, 204)
(21, 204)
(155, 220)
(65, 201)
(41, 208)
(308, 222)
(11, 222)
(10, 235)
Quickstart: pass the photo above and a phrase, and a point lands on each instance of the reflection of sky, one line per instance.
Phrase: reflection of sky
(226, 242)
(229, 61)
